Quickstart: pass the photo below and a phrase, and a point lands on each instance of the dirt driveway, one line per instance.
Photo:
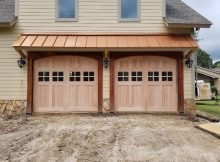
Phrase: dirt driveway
(108, 139)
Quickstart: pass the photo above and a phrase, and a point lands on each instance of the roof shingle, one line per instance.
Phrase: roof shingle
(177, 12)
(7, 11)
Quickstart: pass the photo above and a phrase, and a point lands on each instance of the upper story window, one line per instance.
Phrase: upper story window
(129, 10)
(66, 10)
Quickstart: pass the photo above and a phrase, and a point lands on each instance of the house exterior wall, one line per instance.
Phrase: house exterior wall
(217, 84)
(94, 16)
(206, 79)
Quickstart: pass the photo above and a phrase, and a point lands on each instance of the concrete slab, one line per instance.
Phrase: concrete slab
(213, 128)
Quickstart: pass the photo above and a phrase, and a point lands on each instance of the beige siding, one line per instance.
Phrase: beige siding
(217, 84)
(106, 83)
(188, 82)
(94, 16)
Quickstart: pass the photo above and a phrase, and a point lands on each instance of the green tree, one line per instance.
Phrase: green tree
(204, 59)
(216, 65)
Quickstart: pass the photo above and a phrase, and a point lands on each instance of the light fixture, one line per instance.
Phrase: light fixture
(189, 63)
(21, 63)
(106, 62)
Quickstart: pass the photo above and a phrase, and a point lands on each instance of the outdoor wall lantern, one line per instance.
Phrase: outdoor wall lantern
(189, 63)
(106, 62)
(21, 63)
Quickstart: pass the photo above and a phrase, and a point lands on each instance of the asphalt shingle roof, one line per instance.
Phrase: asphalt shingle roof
(177, 12)
(7, 11)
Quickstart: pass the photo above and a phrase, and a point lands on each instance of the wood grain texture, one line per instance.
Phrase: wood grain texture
(178, 56)
(145, 96)
(180, 82)
(57, 104)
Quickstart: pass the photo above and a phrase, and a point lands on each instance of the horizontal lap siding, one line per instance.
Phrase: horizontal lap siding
(94, 16)
(106, 83)
(188, 82)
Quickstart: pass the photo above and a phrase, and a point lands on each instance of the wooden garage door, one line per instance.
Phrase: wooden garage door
(145, 84)
(66, 84)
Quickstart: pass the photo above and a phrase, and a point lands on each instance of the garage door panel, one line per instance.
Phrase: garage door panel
(73, 82)
(154, 98)
(58, 97)
(73, 62)
(42, 63)
(168, 98)
(87, 97)
(137, 97)
(58, 62)
(151, 84)
(73, 96)
(42, 99)
(123, 96)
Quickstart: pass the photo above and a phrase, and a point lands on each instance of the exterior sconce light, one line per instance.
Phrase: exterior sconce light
(21, 63)
(189, 63)
(106, 62)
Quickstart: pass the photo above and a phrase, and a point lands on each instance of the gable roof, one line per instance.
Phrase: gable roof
(208, 72)
(178, 14)
(7, 13)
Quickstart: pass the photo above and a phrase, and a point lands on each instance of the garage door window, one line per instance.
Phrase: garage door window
(43, 76)
(136, 76)
(75, 76)
(153, 76)
(57, 76)
(123, 76)
(167, 76)
(88, 76)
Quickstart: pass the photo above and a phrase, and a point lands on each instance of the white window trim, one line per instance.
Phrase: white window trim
(120, 19)
(66, 19)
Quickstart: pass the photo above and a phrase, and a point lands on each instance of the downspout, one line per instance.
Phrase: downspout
(196, 76)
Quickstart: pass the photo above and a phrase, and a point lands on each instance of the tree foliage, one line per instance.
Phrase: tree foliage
(216, 65)
(204, 59)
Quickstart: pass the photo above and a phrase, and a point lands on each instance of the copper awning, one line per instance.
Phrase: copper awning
(106, 41)
(68, 41)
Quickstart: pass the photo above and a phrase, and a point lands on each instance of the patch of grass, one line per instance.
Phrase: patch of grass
(208, 107)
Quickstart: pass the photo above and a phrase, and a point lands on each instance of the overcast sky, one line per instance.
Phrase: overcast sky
(210, 38)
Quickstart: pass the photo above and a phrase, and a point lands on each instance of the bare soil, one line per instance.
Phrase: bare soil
(122, 138)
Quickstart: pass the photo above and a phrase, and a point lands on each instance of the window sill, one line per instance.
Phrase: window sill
(65, 20)
(129, 20)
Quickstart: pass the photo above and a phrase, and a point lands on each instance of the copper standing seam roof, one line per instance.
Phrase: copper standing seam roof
(32, 41)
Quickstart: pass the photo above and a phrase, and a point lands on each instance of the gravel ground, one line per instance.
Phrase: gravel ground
(121, 138)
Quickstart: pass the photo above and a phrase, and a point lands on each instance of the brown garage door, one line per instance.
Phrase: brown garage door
(145, 84)
(66, 84)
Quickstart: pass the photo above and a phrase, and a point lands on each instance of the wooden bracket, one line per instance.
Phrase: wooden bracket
(190, 53)
(21, 54)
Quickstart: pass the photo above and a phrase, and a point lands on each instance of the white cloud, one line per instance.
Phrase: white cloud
(210, 37)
